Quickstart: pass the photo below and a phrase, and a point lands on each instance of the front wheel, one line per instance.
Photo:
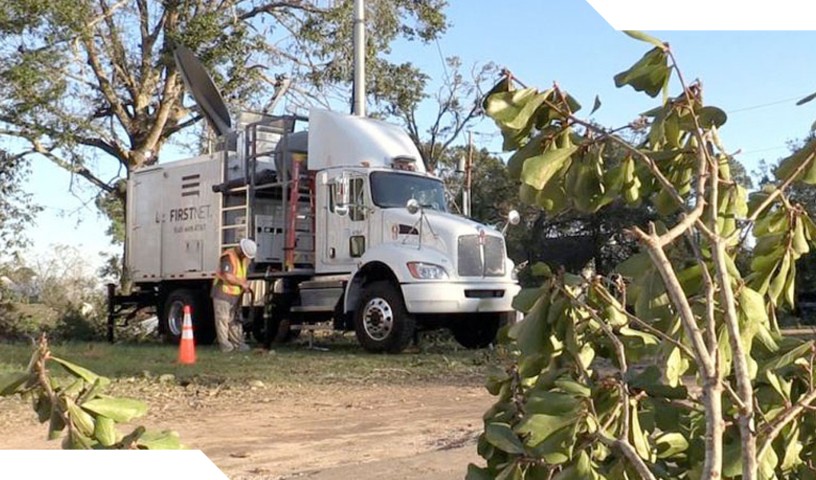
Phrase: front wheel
(479, 330)
(381, 322)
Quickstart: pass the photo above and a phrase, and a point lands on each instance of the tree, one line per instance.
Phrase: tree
(672, 365)
(455, 105)
(92, 86)
(16, 209)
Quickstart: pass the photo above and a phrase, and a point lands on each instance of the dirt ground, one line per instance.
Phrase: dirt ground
(372, 431)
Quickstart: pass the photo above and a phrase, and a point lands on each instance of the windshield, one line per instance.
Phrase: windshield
(393, 190)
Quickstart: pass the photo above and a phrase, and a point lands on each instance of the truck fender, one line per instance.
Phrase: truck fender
(371, 271)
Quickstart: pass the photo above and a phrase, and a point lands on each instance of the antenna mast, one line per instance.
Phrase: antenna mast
(358, 95)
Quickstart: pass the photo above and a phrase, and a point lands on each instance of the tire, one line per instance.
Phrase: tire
(478, 331)
(172, 316)
(381, 322)
(281, 330)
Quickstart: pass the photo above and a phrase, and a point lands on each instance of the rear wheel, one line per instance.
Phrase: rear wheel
(172, 316)
(381, 322)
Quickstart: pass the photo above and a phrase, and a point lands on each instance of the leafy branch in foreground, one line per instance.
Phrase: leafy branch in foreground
(78, 406)
(672, 366)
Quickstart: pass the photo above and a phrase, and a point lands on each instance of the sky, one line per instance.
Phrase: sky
(756, 77)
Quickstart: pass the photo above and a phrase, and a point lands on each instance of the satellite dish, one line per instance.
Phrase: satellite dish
(201, 85)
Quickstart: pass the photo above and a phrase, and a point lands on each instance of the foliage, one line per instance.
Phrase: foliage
(80, 408)
(671, 365)
(58, 294)
(92, 85)
(16, 210)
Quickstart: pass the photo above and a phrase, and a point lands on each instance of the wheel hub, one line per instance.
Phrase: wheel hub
(378, 319)
(175, 318)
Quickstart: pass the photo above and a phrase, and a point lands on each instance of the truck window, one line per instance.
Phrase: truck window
(357, 207)
(394, 189)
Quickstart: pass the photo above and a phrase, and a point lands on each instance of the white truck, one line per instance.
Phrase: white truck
(350, 229)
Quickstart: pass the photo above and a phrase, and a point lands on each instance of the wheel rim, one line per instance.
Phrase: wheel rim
(378, 319)
(175, 318)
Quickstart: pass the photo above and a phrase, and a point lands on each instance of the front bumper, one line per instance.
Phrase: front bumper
(459, 297)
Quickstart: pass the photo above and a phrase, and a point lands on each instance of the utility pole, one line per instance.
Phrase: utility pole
(468, 175)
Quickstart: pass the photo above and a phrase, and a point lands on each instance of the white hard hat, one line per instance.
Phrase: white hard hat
(248, 248)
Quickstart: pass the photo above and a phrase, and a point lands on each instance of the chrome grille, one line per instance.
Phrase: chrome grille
(470, 256)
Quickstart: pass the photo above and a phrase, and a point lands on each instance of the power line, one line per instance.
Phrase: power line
(769, 104)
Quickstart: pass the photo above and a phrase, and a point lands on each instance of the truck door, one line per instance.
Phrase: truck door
(346, 223)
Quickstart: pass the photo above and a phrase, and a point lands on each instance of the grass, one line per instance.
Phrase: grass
(345, 362)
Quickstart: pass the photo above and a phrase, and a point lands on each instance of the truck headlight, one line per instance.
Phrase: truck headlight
(427, 271)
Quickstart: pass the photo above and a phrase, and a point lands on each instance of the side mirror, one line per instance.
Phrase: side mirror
(412, 206)
(513, 218)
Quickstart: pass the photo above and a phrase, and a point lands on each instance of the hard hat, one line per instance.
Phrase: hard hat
(248, 248)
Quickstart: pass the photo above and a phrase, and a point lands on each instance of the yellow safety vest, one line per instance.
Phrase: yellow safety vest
(238, 269)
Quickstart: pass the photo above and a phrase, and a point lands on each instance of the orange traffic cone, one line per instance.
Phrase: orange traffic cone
(187, 354)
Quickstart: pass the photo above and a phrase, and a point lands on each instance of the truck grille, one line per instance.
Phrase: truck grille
(470, 256)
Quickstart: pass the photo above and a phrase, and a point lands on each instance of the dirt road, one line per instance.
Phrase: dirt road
(404, 432)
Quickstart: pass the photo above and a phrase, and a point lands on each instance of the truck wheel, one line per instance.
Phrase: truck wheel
(281, 330)
(172, 316)
(478, 331)
(381, 322)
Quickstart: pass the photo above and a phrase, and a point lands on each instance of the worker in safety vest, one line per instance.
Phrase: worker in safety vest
(230, 283)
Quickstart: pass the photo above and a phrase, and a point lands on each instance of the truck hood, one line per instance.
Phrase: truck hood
(440, 230)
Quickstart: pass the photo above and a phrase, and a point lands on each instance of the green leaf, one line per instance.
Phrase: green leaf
(786, 359)
(670, 444)
(12, 383)
(165, 440)
(538, 170)
(477, 473)
(778, 281)
(711, 117)
(639, 439)
(638, 35)
(76, 370)
(767, 464)
(571, 386)
(558, 446)
(541, 269)
(648, 75)
(121, 410)
(83, 421)
(806, 99)
(533, 333)
(526, 299)
(676, 366)
(596, 105)
(502, 437)
(537, 427)
(532, 148)
(791, 164)
(105, 431)
(648, 338)
(552, 403)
